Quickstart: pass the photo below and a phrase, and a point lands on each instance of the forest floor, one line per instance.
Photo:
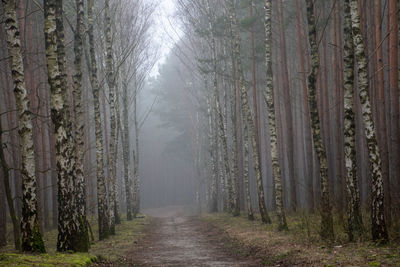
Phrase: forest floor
(176, 236)
(114, 249)
(300, 246)
(178, 239)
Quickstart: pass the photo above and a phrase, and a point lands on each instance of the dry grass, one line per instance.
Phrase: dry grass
(301, 245)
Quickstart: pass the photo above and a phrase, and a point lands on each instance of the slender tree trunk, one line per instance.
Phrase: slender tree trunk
(269, 99)
(379, 231)
(126, 152)
(30, 236)
(82, 244)
(393, 43)
(102, 206)
(247, 112)
(288, 109)
(381, 111)
(326, 209)
(250, 214)
(233, 205)
(306, 116)
(3, 208)
(213, 207)
(354, 219)
(110, 76)
(117, 217)
(6, 175)
(136, 181)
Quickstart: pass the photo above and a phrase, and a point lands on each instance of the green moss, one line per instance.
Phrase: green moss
(37, 241)
(81, 240)
(58, 259)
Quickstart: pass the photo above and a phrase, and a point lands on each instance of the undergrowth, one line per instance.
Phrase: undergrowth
(301, 244)
(110, 250)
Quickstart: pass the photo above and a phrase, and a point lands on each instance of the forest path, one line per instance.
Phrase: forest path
(180, 240)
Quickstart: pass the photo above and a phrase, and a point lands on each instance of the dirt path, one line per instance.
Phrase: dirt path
(180, 240)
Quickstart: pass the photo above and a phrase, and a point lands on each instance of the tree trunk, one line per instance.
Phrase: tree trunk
(233, 205)
(354, 219)
(326, 209)
(269, 99)
(393, 43)
(60, 115)
(381, 107)
(379, 231)
(247, 113)
(110, 76)
(290, 136)
(136, 181)
(30, 236)
(213, 205)
(82, 244)
(126, 152)
(102, 206)
(306, 114)
(3, 208)
(6, 175)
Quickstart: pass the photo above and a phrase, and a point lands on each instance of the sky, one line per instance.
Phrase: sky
(167, 31)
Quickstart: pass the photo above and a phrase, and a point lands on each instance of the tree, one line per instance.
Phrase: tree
(80, 188)
(110, 76)
(6, 176)
(326, 209)
(31, 238)
(102, 206)
(269, 99)
(379, 231)
(68, 225)
(288, 108)
(354, 219)
(247, 111)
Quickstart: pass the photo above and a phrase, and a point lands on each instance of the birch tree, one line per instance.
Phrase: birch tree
(102, 205)
(354, 219)
(379, 231)
(80, 188)
(110, 76)
(269, 99)
(326, 209)
(247, 111)
(68, 226)
(31, 238)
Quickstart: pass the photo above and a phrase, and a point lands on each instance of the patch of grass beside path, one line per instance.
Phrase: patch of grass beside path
(112, 249)
(300, 246)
